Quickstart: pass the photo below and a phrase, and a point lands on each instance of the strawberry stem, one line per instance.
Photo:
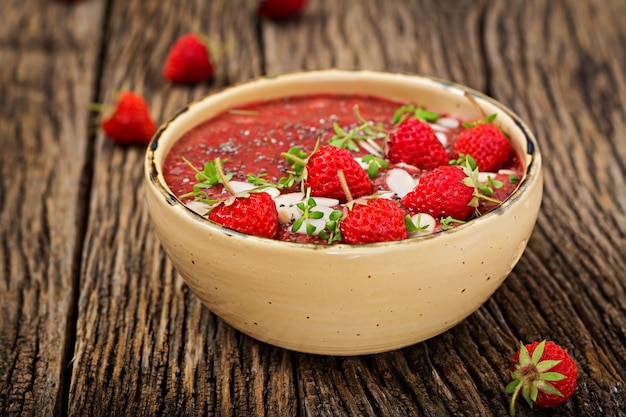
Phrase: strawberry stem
(479, 109)
(223, 179)
(344, 186)
(243, 112)
(518, 389)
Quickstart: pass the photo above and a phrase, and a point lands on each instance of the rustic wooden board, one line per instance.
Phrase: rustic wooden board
(47, 74)
(144, 345)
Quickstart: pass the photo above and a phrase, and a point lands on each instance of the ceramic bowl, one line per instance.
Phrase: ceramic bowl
(342, 299)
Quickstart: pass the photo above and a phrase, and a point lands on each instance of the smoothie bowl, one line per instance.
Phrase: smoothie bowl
(361, 233)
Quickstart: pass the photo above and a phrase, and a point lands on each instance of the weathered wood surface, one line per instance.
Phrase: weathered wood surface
(95, 321)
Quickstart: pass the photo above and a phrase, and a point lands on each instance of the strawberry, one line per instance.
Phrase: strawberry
(254, 214)
(544, 373)
(130, 122)
(280, 9)
(441, 193)
(378, 220)
(188, 60)
(415, 143)
(486, 143)
(323, 177)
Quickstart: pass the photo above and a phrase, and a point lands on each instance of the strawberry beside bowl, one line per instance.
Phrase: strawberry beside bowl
(344, 299)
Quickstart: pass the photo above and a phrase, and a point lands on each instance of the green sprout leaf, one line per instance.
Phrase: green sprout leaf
(308, 213)
(374, 164)
(416, 112)
(449, 222)
(416, 226)
(332, 231)
(206, 178)
(482, 191)
(364, 131)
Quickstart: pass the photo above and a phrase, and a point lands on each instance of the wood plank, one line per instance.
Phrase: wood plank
(569, 83)
(145, 346)
(47, 77)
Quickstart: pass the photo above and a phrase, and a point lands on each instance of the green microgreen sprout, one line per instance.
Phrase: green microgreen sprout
(259, 181)
(481, 190)
(449, 222)
(210, 175)
(365, 131)
(513, 179)
(332, 232)
(374, 164)
(297, 159)
(308, 213)
(416, 112)
(414, 226)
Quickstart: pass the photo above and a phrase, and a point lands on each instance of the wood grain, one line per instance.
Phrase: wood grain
(95, 321)
(44, 171)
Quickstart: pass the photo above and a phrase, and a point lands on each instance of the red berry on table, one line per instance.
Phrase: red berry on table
(324, 179)
(280, 9)
(543, 373)
(188, 60)
(378, 220)
(486, 143)
(441, 193)
(130, 122)
(255, 214)
(415, 143)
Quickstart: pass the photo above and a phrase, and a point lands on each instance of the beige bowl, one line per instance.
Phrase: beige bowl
(342, 299)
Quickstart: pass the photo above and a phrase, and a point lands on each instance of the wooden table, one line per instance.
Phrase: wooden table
(94, 320)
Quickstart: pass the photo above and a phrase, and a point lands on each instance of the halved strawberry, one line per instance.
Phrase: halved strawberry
(188, 60)
(130, 122)
(415, 143)
(324, 179)
(375, 220)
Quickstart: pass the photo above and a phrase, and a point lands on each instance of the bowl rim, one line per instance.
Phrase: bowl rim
(153, 172)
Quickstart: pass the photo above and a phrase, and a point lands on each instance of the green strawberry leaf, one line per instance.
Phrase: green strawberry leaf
(552, 376)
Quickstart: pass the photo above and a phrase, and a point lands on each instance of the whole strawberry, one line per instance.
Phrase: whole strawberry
(415, 143)
(255, 214)
(323, 174)
(441, 193)
(378, 220)
(486, 143)
(130, 122)
(188, 60)
(544, 373)
(280, 9)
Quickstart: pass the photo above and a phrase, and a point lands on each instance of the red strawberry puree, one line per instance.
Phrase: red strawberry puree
(250, 140)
